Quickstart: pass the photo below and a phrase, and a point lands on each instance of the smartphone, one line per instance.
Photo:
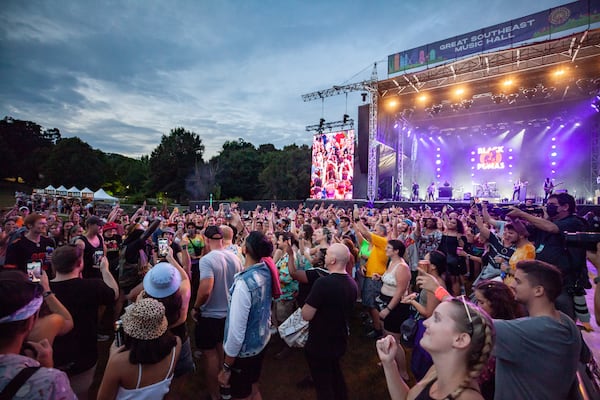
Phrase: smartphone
(227, 210)
(119, 333)
(98, 254)
(163, 247)
(34, 270)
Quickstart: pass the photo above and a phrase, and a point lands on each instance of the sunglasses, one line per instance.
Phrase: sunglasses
(464, 302)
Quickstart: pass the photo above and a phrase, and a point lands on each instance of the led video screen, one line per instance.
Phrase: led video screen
(332, 168)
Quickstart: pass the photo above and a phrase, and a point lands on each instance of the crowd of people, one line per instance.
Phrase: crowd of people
(491, 303)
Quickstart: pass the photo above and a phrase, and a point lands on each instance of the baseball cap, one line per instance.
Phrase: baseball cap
(110, 225)
(213, 232)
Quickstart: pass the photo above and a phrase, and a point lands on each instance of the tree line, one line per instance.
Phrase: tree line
(175, 170)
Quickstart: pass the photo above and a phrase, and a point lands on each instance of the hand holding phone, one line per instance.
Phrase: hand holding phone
(34, 270)
(163, 247)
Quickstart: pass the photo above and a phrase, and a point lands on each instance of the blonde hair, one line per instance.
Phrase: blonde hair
(481, 330)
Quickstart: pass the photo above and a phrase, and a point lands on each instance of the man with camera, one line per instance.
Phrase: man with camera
(551, 246)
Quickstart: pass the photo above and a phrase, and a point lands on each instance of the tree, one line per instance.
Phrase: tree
(237, 168)
(173, 161)
(73, 162)
(286, 173)
(23, 147)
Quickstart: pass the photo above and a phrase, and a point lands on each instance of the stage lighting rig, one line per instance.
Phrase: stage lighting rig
(529, 93)
(455, 107)
(467, 103)
(347, 123)
(512, 98)
(596, 103)
(548, 91)
(498, 98)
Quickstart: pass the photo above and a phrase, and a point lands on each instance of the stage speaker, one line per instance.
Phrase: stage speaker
(467, 196)
(363, 138)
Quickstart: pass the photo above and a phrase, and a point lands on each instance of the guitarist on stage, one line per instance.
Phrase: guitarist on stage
(517, 189)
(548, 188)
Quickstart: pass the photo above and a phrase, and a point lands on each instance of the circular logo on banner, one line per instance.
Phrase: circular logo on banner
(559, 16)
(492, 156)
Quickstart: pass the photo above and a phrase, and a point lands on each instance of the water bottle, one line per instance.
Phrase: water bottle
(225, 392)
(119, 333)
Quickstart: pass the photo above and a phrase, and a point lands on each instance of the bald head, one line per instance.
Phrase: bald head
(227, 234)
(337, 257)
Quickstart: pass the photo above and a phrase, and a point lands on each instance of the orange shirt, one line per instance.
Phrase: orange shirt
(377, 261)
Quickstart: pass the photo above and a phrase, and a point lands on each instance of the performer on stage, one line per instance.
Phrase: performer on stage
(397, 190)
(415, 191)
(431, 192)
(517, 189)
(548, 188)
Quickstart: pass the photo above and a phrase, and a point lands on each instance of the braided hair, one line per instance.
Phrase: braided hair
(481, 329)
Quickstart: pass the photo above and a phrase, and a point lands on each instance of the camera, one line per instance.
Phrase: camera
(582, 240)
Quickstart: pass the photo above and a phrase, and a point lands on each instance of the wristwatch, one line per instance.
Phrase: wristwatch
(47, 293)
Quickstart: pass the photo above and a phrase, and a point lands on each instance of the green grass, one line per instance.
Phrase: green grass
(278, 380)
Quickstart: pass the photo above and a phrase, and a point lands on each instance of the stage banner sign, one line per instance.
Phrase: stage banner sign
(549, 24)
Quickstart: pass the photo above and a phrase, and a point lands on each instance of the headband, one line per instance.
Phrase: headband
(24, 312)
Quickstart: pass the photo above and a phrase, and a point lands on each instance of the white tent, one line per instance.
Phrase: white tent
(50, 189)
(101, 195)
(61, 191)
(86, 193)
(74, 192)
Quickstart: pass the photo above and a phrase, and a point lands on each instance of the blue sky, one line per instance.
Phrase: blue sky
(119, 74)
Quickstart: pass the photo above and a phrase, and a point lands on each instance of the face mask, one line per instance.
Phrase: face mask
(552, 210)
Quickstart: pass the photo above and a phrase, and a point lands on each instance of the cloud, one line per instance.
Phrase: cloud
(120, 75)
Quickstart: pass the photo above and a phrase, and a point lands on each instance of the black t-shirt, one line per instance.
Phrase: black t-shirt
(113, 247)
(333, 296)
(89, 271)
(77, 351)
(496, 248)
(304, 288)
(23, 250)
(551, 248)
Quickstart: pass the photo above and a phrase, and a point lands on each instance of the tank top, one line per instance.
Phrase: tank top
(389, 276)
(424, 395)
(89, 271)
(154, 391)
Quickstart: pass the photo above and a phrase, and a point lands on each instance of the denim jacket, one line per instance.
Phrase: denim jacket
(258, 281)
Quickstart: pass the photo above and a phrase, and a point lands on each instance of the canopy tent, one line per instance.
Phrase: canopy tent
(61, 191)
(50, 189)
(101, 195)
(86, 193)
(74, 192)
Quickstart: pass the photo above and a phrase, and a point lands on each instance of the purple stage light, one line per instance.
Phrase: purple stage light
(438, 162)
(553, 154)
(472, 153)
(509, 165)
(577, 124)
(395, 126)
(553, 171)
(554, 139)
(553, 163)
(472, 160)
(553, 146)
(510, 157)
(437, 155)
(562, 126)
(438, 149)
(510, 150)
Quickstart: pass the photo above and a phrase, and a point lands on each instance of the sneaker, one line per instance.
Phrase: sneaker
(102, 338)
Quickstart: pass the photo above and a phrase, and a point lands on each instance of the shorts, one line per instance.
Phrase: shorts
(185, 363)
(209, 332)
(245, 373)
(370, 290)
(396, 317)
(283, 309)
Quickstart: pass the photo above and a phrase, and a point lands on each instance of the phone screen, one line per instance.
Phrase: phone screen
(227, 210)
(34, 270)
(98, 254)
(163, 247)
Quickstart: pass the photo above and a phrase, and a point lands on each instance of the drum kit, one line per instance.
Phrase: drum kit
(487, 189)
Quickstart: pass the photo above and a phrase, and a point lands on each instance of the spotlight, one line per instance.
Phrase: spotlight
(512, 98)
(530, 93)
(434, 110)
(498, 98)
(467, 103)
(455, 107)
(364, 96)
(596, 103)
(548, 91)
(407, 113)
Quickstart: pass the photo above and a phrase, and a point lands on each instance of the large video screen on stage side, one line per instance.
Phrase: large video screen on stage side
(332, 168)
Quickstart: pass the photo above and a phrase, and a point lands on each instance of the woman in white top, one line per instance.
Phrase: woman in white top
(396, 281)
(143, 367)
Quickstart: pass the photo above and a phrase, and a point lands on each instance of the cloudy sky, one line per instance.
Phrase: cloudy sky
(119, 74)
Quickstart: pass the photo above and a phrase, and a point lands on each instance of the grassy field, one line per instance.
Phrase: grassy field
(279, 377)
